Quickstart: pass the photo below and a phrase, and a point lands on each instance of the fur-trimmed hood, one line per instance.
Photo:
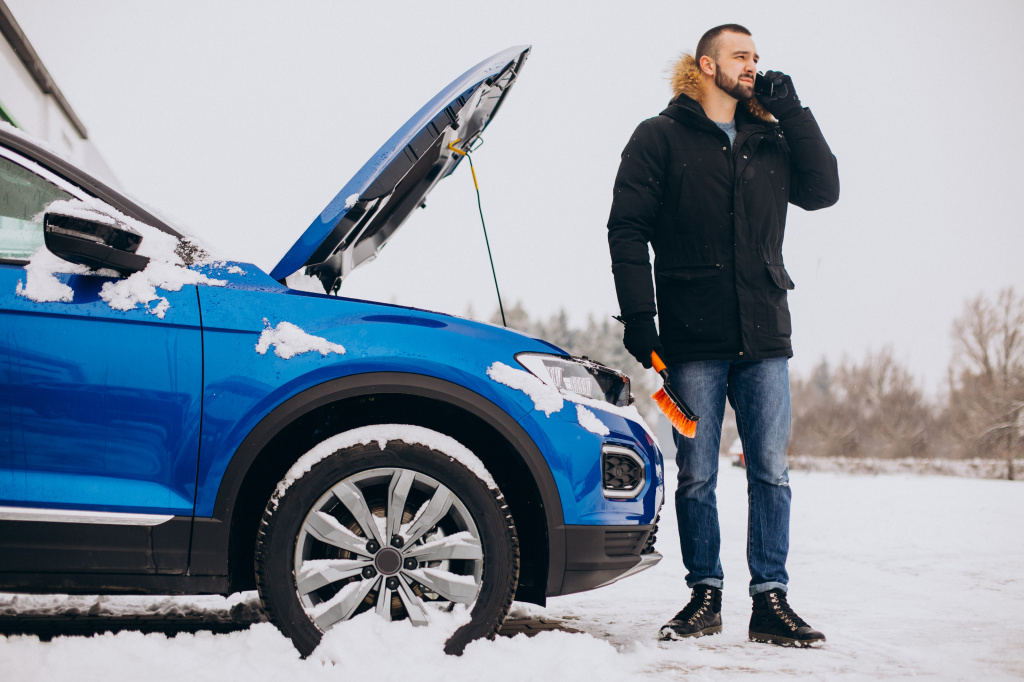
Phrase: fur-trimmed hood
(686, 80)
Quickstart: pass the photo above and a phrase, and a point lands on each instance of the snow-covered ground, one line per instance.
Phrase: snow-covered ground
(906, 575)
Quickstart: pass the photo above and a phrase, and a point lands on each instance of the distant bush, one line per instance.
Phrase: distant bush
(873, 409)
(877, 409)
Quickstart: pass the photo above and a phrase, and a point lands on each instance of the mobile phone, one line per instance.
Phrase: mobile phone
(763, 86)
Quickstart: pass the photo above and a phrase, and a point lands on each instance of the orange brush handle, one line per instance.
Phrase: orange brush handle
(659, 366)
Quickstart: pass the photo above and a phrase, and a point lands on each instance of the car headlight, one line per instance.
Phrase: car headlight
(581, 376)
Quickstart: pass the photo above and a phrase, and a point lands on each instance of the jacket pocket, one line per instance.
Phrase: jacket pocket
(779, 321)
(690, 304)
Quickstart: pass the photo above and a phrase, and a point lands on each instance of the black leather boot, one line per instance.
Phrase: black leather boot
(773, 620)
(702, 616)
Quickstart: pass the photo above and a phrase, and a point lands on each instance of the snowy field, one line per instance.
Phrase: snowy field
(906, 575)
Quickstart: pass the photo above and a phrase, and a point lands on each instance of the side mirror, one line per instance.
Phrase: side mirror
(100, 243)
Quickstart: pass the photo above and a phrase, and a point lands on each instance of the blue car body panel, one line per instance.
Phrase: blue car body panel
(99, 408)
(574, 455)
(243, 386)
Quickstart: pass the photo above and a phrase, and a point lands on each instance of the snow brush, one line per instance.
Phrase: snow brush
(669, 402)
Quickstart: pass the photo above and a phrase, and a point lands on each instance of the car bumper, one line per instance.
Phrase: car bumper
(600, 555)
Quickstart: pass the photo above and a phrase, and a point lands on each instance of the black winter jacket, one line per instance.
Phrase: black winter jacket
(716, 218)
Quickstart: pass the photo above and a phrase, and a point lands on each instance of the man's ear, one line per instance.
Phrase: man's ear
(707, 65)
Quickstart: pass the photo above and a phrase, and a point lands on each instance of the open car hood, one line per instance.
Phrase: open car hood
(396, 180)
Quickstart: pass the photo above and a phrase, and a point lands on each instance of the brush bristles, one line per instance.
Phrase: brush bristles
(686, 427)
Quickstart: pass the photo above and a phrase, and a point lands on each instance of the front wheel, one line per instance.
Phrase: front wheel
(405, 531)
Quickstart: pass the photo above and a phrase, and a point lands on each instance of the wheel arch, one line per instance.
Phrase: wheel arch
(226, 543)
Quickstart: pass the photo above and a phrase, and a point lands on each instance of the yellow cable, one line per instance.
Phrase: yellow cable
(451, 146)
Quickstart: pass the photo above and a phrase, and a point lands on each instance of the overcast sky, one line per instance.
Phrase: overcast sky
(241, 120)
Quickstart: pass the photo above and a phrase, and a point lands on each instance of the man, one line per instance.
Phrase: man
(707, 183)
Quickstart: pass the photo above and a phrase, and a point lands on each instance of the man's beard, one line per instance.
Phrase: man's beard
(737, 90)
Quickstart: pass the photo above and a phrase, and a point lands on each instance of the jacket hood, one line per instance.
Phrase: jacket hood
(686, 80)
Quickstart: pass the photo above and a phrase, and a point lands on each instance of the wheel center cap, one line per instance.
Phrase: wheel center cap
(388, 561)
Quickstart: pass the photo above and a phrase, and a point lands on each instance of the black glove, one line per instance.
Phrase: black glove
(783, 102)
(641, 337)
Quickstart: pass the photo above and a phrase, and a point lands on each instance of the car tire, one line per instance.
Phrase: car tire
(321, 559)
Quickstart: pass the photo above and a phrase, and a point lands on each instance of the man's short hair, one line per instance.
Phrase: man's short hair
(708, 44)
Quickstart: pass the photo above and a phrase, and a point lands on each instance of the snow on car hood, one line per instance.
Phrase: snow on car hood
(368, 210)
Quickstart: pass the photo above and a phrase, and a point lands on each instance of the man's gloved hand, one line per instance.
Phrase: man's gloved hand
(783, 103)
(641, 337)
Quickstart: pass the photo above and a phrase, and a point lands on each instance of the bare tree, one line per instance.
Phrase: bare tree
(894, 415)
(986, 377)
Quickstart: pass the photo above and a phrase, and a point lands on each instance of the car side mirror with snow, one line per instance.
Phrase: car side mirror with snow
(99, 241)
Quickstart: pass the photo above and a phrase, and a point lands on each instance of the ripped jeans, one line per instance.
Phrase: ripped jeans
(759, 393)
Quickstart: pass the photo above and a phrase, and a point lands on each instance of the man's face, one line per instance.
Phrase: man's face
(736, 65)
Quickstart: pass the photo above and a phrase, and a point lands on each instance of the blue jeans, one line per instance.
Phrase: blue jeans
(759, 393)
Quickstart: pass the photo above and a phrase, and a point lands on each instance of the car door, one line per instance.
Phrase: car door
(99, 409)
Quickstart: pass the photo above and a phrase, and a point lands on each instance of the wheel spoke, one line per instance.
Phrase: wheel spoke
(457, 588)
(326, 528)
(432, 512)
(413, 605)
(384, 601)
(344, 604)
(353, 500)
(315, 574)
(458, 546)
(398, 491)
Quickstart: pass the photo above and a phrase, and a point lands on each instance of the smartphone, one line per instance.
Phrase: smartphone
(763, 86)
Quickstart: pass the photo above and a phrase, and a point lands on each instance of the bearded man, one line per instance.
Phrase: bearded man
(707, 184)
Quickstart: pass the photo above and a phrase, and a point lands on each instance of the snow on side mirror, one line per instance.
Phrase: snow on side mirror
(97, 242)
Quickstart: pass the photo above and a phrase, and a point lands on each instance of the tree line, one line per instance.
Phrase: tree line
(874, 407)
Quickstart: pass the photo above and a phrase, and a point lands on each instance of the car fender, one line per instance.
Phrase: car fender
(210, 555)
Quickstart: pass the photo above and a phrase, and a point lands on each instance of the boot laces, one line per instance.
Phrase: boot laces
(781, 608)
(696, 608)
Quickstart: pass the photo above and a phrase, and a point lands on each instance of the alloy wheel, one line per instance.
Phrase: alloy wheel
(389, 539)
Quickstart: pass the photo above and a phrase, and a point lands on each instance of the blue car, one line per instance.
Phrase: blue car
(172, 423)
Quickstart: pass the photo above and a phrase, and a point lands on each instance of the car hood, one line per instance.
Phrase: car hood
(396, 180)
